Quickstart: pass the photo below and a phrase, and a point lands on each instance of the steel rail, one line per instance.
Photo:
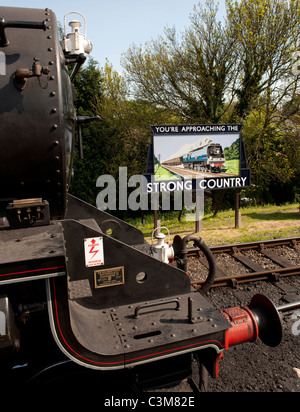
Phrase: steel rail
(252, 277)
(289, 307)
(234, 280)
(294, 241)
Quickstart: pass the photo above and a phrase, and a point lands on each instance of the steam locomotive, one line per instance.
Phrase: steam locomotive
(207, 159)
(81, 292)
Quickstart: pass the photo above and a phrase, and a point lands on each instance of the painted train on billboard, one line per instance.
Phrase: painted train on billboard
(206, 159)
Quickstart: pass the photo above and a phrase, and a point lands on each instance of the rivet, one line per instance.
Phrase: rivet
(50, 49)
(49, 37)
(54, 126)
(54, 110)
(52, 77)
(52, 94)
(51, 63)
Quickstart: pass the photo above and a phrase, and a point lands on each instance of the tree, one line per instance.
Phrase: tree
(100, 145)
(266, 33)
(216, 72)
(188, 76)
(130, 119)
(88, 85)
(120, 139)
(235, 72)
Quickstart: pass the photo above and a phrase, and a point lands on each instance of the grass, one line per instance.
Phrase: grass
(257, 223)
(232, 166)
(164, 174)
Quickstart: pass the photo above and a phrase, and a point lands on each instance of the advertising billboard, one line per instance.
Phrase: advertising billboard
(197, 157)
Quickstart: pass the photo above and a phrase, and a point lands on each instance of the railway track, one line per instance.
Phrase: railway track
(269, 268)
(248, 262)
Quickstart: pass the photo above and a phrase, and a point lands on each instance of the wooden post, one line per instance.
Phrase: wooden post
(155, 219)
(198, 227)
(155, 206)
(199, 211)
(238, 217)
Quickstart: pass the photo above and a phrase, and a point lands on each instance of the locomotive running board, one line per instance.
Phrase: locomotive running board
(125, 336)
(31, 253)
(158, 314)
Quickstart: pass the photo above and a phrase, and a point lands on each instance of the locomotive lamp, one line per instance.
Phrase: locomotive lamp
(76, 43)
(161, 250)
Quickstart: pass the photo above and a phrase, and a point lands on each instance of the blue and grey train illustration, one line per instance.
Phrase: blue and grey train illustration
(207, 159)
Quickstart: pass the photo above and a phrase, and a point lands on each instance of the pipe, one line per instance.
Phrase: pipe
(199, 242)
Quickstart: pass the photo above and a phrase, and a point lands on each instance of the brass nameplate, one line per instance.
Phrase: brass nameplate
(109, 277)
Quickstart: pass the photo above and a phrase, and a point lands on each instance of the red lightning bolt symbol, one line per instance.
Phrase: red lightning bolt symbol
(93, 251)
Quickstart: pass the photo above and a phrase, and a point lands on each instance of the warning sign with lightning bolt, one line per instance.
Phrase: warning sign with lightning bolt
(93, 251)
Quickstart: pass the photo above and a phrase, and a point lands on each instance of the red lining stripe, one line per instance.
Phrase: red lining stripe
(32, 271)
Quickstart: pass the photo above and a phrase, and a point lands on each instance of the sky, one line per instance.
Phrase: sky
(114, 25)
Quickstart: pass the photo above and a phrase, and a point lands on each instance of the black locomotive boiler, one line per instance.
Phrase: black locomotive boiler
(78, 286)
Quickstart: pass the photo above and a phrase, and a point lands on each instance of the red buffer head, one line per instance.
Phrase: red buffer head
(260, 320)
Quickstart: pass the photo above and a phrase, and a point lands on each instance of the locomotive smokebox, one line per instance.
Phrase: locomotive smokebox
(37, 115)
